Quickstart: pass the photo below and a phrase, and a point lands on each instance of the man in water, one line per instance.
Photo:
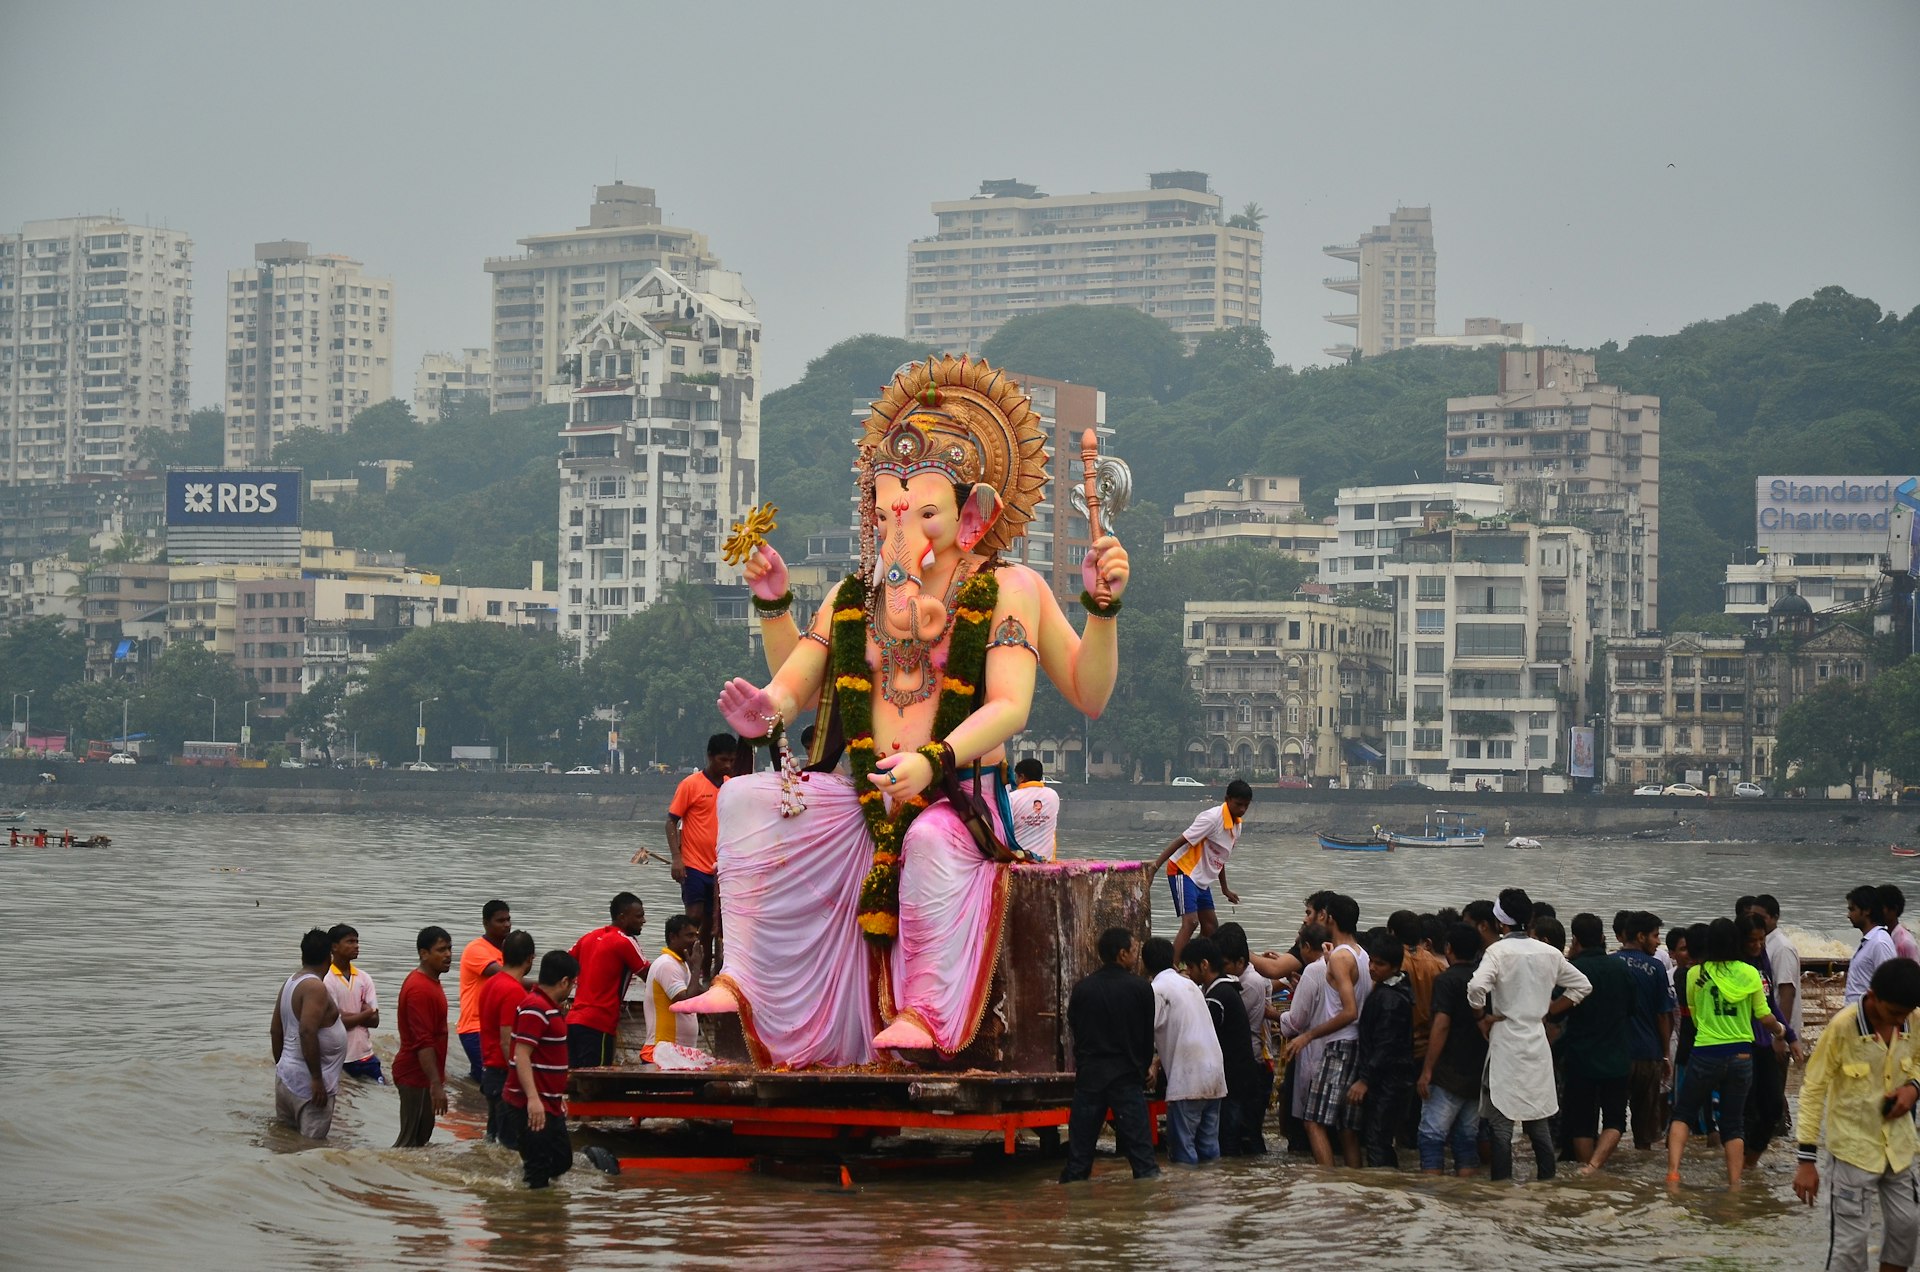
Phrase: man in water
(478, 961)
(1111, 1018)
(693, 828)
(606, 957)
(420, 1068)
(500, 998)
(1197, 858)
(1512, 995)
(309, 1044)
(537, 1083)
(1338, 1021)
(1650, 1025)
(352, 992)
(1876, 943)
(1036, 810)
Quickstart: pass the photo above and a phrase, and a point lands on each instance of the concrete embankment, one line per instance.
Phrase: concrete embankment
(1112, 808)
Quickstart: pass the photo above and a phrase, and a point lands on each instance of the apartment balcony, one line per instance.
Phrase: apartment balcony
(1350, 285)
(1489, 609)
(1345, 320)
(1343, 251)
(1524, 700)
(1343, 353)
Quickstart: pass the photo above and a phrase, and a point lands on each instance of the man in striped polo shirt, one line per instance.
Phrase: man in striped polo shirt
(537, 1082)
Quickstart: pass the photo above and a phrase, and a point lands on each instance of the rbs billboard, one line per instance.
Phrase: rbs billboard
(208, 497)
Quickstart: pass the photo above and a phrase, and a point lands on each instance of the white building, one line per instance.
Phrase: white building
(1256, 510)
(1370, 521)
(96, 317)
(1492, 654)
(447, 381)
(542, 299)
(1169, 251)
(1393, 287)
(1482, 333)
(661, 448)
(309, 345)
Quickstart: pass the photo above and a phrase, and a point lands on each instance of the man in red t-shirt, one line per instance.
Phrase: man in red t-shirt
(607, 957)
(693, 836)
(420, 1070)
(539, 1126)
(500, 996)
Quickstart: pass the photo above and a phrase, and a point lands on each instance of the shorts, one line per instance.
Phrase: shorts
(314, 1122)
(1327, 1097)
(1188, 898)
(697, 889)
(1592, 1105)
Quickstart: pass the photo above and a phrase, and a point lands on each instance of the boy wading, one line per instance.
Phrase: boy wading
(537, 1083)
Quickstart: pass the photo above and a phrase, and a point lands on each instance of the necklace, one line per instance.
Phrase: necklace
(904, 656)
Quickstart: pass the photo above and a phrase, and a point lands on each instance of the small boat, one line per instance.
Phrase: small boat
(1368, 841)
(1905, 852)
(1522, 841)
(12, 814)
(1442, 829)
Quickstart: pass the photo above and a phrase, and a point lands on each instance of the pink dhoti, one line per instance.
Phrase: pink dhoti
(812, 990)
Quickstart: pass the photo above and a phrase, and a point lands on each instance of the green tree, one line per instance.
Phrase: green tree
(490, 684)
(1248, 218)
(1108, 346)
(314, 716)
(171, 707)
(202, 444)
(1831, 735)
(668, 663)
(1895, 695)
(39, 655)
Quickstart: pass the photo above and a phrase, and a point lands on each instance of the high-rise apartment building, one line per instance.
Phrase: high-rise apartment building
(543, 299)
(96, 317)
(1370, 521)
(1167, 251)
(309, 345)
(1596, 451)
(1394, 287)
(1056, 539)
(447, 381)
(661, 449)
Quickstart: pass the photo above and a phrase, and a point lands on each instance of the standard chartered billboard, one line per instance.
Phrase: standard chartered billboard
(1826, 514)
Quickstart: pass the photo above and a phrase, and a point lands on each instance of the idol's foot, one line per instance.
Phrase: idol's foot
(717, 1000)
(903, 1035)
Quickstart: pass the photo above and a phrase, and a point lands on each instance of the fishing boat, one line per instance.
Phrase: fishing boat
(1523, 841)
(1365, 841)
(1442, 829)
(1905, 852)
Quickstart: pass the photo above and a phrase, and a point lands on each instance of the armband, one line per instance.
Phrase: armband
(1100, 609)
(1012, 634)
(824, 642)
(775, 608)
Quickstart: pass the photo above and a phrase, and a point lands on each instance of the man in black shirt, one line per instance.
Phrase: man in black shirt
(1383, 1082)
(1248, 1083)
(1449, 1086)
(1111, 1017)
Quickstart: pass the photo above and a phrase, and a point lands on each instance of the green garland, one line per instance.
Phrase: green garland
(960, 689)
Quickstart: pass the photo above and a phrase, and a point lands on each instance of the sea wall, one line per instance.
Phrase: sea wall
(1113, 808)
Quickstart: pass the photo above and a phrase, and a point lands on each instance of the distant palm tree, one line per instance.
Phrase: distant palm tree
(1247, 218)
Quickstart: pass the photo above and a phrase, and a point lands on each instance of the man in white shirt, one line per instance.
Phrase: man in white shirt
(669, 980)
(352, 992)
(1784, 958)
(1876, 943)
(1198, 858)
(1511, 994)
(1036, 810)
(1189, 1054)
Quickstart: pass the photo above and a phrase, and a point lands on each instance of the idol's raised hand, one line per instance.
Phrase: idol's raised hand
(766, 573)
(747, 708)
(1105, 563)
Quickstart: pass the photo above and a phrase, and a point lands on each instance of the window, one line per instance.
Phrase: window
(1683, 701)
(1430, 659)
(1427, 739)
(1490, 640)
(493, 609)
(1650, 736)
(1429, 588)
(1293, 629)
(1499, 750)
(356, 600)
(1537, 746)
(1623, 739)
(1430, 620)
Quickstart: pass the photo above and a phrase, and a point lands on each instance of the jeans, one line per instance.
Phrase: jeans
(492, 1083)
(470, 1043)
(1383, 1114)
(1449, 1118)
(1539, 1132)
(1127, 1098)
(1766, 1100)
(545, 1154)
(1193, 1131)
(1729, 1073)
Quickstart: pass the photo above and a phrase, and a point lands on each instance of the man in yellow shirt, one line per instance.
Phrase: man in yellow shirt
(1861, 1084)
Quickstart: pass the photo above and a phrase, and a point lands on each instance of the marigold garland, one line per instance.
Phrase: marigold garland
(966, 654)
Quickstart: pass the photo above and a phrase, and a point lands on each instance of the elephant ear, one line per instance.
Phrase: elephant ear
(978, 514)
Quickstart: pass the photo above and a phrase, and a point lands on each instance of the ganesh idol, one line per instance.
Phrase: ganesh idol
(864, 910)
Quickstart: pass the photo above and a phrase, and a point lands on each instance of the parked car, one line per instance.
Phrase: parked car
(1685, 788)
(121, 758)
(583, 770)
(1293, 783)
(293, 764)
(1749, 790)
(1186, 781)
(420, 767)
(1652, 789)
(1408, 784)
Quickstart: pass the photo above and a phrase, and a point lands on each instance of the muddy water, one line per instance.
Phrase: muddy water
(135, 1090)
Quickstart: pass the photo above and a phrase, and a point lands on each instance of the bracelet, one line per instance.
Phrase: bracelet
(1100, 609)
(775, 608)
(935, 754)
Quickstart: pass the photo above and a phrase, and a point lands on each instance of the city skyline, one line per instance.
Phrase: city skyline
(1593, 213)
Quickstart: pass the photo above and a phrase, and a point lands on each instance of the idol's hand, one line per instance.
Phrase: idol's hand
(766, 573)
(746, 708)
(1105, 562)
(903, 776)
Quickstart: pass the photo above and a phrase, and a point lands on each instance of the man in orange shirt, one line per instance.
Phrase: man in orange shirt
(692, 835)
(478, 961)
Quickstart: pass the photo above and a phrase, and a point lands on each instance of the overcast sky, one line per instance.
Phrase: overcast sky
(1600, 170)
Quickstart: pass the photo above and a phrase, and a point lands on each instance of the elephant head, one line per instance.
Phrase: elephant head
(924, 524)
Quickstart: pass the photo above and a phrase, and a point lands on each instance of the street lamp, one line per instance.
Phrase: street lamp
(216, 713)
(26, 737)
(246, 733)
(420, 730)
(124, 704)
